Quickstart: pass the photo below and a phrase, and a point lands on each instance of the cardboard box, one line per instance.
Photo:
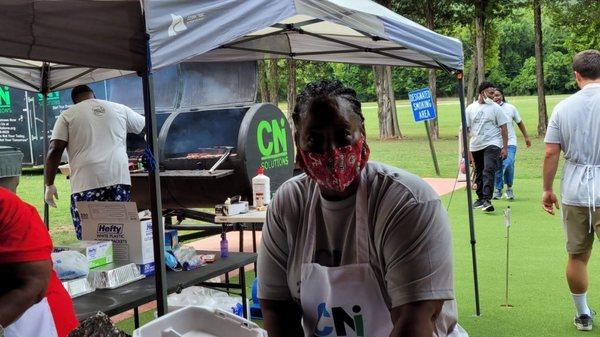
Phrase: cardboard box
(118, 222)
(232, 209)
(147, 268)
(98, 253)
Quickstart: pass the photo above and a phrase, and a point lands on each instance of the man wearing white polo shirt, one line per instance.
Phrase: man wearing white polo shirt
(574, 128)
(94, 132)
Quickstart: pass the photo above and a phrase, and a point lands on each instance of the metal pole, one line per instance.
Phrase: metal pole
(507, 255)
(29, 127)
(44, 92)
(461, 97)
(46, 208)
(507, 224)
(432, 149)
(155, 193)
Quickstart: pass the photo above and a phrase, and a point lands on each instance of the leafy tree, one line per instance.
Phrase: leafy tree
(435, 15)
(581, 19)
(509, 45)
(558, 73)
(358, 77)
(308, 71)
(524, 83)
(515, 42)
(386, 102)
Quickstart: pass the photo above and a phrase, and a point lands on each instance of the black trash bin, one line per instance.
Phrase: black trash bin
(10, 166)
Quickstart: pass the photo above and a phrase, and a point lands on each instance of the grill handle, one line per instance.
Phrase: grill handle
(221, 160)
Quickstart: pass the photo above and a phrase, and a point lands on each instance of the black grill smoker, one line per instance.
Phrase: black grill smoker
(212, 137)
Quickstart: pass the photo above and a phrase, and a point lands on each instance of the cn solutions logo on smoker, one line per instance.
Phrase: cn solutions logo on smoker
(337, 321)
(271, 138)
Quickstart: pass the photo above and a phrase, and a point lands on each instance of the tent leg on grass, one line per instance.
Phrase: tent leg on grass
(44, 90)
(155, 194)
(461, 97)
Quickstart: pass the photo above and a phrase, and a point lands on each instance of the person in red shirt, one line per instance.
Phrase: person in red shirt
(33, 302)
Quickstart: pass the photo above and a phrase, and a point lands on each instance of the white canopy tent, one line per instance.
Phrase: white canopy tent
(51, 45)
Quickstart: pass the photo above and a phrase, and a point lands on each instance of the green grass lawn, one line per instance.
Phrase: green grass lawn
(538, 291)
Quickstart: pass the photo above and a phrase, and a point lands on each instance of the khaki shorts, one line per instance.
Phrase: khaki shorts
(577, 228)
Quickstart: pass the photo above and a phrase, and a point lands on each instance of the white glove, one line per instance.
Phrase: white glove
(51, 192)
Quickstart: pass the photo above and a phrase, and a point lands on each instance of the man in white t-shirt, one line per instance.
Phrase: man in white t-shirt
(94, 132)
(574, 129)
(506, 172)
(489, 142)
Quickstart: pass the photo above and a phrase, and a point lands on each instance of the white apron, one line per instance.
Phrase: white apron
(590, 179)
(37, 321)
(344, 300)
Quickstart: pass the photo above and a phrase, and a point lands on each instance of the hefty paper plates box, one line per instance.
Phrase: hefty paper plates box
(98, 253)
(119, 222)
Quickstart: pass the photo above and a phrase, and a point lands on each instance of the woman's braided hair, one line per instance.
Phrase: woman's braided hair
(331, 89)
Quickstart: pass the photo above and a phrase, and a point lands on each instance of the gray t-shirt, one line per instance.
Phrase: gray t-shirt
(513, 115)
(410, 244)
(484, 121)
(575, 125)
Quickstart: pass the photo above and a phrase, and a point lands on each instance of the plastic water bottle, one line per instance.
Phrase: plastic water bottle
(224, 246)
(261, 189)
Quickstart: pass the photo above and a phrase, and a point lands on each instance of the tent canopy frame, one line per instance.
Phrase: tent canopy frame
(297, 28)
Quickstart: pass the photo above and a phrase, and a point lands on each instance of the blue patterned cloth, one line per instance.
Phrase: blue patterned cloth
(109, 193)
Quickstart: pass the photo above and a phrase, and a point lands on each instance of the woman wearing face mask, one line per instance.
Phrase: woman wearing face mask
(352, 247)
(506, 172)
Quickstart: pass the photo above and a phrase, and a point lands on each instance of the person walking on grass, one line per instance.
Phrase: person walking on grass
(487, 128)
(574, 129)
(506, 171)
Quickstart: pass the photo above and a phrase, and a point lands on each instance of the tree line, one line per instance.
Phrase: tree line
(523, 46)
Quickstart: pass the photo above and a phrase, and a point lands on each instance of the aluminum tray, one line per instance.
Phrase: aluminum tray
(114, 275)
(78, 287)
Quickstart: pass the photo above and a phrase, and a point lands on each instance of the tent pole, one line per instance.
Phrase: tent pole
(155, 194)
(461, 96)
(46, 209)
(44, 92)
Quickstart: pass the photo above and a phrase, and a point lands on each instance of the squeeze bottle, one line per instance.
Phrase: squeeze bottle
(261, 189)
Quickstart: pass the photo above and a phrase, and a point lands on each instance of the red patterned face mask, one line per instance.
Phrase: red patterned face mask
(337, 169)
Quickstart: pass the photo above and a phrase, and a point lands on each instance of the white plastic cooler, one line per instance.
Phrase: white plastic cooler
(200, 322)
